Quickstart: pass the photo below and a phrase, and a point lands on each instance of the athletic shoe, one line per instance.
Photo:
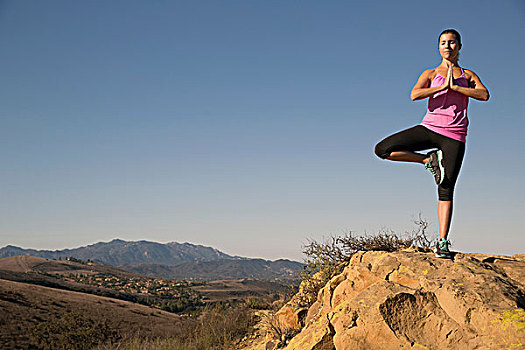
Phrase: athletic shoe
(442, 250)
(435, 165)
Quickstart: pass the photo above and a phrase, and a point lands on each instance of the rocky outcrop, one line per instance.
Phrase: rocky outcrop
(412, 300)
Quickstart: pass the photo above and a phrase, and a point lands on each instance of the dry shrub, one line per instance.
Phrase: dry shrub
(277, 330)
(419, 235)
(323, 261)
(220, 326)
(327, 259)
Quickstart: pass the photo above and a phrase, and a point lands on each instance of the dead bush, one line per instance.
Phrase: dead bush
(277, 330)
(326, 259)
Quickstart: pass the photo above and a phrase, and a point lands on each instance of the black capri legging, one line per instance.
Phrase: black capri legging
(419, 138)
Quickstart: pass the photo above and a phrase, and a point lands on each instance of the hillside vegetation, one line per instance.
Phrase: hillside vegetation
(73, 304)
(79, 276)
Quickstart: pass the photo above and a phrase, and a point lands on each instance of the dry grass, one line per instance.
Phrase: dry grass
(218, 328)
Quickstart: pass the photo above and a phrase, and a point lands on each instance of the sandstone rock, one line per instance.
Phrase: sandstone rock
(291, 317)
(412, 300)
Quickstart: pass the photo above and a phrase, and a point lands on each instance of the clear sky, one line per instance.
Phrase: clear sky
(247, 125)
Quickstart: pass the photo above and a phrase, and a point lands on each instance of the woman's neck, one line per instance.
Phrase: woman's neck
(447, 63)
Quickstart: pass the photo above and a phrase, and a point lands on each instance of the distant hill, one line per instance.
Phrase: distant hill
(171, 260)
(119, 252)
(43, 266)
(59, 275)
(90, 278)
(279, 270)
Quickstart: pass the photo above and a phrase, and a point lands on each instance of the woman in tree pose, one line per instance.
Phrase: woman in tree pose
(444, 127)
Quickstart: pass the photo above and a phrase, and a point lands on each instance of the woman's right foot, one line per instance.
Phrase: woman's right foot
(441, 250)
(435, 165)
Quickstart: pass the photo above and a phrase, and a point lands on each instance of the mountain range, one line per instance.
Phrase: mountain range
(170, 260)
(119, 252)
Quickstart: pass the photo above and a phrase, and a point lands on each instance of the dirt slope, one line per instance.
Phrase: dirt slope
(23, 306)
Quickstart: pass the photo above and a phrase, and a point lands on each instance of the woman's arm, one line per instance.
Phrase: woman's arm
(421, 89)
(475, 90)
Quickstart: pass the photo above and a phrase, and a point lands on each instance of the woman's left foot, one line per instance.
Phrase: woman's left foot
(435, 166)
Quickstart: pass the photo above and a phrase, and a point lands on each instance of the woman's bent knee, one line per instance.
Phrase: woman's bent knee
(381, 151)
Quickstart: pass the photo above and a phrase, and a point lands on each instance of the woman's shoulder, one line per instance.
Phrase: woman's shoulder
(429, 73)
(469, 73)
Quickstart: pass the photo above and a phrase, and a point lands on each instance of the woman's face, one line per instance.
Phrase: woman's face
(449, 46)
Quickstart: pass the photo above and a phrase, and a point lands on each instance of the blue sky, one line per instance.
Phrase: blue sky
(247, 125)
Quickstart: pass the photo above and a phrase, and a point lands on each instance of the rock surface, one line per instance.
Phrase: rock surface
(412, 300)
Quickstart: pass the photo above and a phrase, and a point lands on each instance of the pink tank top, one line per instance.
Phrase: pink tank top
(447, 110)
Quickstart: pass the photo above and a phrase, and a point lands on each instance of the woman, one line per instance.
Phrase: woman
(444, 127)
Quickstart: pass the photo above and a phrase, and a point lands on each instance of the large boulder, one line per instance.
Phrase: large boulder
(412, 300)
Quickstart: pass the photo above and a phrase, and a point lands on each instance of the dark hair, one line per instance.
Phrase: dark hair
(451, 31)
